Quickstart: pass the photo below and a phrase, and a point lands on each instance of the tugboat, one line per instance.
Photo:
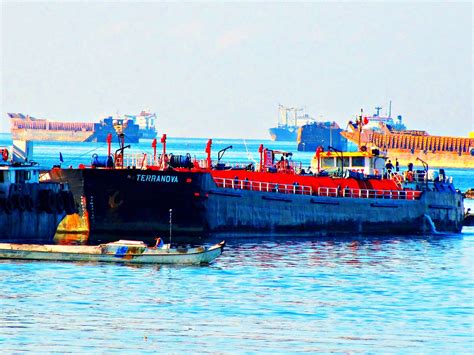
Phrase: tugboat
(129, 196)
(30, 210)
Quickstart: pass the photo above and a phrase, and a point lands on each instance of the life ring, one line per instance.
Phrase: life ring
(27, 196)
(68, 202)
(5, 154)
(59, 202)
(8, 205)
(19, 201)
(29, 203)
(48, 201)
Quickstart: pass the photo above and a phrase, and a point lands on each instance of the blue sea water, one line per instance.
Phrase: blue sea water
(360, 294)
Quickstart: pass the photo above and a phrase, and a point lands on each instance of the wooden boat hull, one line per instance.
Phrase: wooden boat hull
(130, 254)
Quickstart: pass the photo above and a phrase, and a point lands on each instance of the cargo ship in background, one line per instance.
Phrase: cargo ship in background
(146, 122)
(306, 131)
(373, 122)
(320, 134)
(28, 128)
(288, 124)
(148, 195)
(408, 146)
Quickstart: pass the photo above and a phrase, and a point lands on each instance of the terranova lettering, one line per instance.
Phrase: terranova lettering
(157, 178)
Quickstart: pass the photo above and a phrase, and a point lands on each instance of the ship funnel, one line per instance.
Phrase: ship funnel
(22, 151)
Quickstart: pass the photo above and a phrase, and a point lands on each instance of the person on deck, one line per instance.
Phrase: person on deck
(159, 243)
(281, 164)
(409, 173)
(397, 165)
(389, 167)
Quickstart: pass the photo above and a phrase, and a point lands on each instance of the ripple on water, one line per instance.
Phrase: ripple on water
(351, 294)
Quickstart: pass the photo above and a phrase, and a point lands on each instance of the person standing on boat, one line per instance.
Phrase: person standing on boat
(159, 243)
(389, 167)
(397, 165)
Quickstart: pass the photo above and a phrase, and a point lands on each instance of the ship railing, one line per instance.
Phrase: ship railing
(137, 160)
(226, 165)
(369, 193)
(321, 191)
(289, 166)
(420, 176)
(264, 186)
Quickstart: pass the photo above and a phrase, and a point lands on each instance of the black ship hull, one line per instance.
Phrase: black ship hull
(283, 134)
(34, 218)
(136, 204)
(320, 134)
(104, 129)
(148, 133)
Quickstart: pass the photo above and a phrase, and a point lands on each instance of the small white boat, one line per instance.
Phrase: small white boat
(122, 251)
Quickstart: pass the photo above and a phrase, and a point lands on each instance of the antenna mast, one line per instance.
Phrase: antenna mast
(284, 115)
(171, 223)
(359, 127)
(378, 108)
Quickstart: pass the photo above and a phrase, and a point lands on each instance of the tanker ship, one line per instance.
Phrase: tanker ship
(410, 145)
(145, 196)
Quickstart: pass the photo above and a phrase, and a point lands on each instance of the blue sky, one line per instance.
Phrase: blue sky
(221, 69)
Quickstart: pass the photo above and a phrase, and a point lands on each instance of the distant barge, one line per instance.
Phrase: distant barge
(27, 128)
(409, 145)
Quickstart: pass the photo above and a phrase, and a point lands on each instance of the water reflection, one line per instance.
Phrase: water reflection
(71, 238)
(350, 294)
(355, 251)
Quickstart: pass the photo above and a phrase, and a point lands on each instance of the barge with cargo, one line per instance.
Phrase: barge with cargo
(134, 127)
(410, 145)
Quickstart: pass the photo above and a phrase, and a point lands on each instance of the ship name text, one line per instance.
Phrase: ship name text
(157, 178)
